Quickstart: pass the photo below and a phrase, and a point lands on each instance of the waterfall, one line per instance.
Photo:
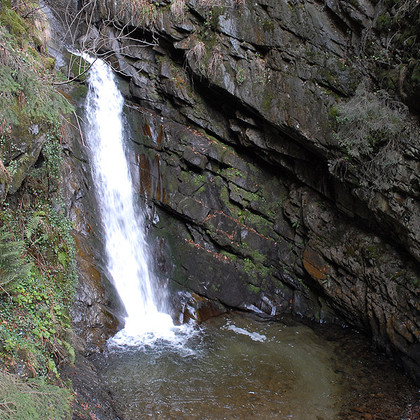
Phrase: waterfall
(123, 226)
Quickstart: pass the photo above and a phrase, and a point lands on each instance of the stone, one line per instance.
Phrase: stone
(25, 162)
(257, 201)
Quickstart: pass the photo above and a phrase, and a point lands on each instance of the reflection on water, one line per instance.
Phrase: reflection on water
(236, 368)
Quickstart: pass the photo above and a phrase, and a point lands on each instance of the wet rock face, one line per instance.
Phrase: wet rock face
(232, 145)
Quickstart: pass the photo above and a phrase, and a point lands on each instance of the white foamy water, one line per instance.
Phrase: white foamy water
(252, 335)
(123, 229)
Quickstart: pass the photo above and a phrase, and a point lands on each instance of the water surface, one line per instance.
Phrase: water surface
(237, 367)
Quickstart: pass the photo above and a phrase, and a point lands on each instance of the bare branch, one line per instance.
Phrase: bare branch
(74, 78)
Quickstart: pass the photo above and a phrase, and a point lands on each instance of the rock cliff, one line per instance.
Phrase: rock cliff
(277, 148)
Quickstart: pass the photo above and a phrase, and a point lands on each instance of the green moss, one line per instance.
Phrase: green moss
(49, 63)
(215, 287)
(254, 289)
(259, 223)
(257, 257)
(229, 255)
(333, 114)
(198, 179)
(231, 173)
(267, 100)
(384, 22)
(79, 67)
(249, 267)
(246, 195)
(265, 272)
(234, 210)
(13, 22)
(415, 75)
(268, 25)
(79, 92)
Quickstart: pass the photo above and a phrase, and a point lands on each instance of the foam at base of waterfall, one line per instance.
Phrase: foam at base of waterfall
(155, 329)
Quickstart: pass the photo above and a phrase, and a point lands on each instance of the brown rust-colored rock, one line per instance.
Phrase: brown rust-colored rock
(315, 265)
(96, 313)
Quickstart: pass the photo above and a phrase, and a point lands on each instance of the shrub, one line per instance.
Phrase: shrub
(369, 120)
(373, 129)
(196, 53)
(37, 269)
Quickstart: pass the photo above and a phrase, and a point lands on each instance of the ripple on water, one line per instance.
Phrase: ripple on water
(234, 367)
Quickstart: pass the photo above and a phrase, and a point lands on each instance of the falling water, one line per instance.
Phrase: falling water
(122, 224)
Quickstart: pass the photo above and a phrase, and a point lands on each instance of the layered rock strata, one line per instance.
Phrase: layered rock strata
(257, 204)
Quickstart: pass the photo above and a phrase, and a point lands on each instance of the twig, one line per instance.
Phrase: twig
(80, 128)
(75, 77)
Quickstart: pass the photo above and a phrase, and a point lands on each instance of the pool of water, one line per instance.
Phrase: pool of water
(239, 367)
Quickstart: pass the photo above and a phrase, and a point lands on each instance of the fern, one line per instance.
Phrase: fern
(34, 223)
(12, 263)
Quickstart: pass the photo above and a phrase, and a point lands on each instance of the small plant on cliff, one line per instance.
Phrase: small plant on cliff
(373, 129)
(240, 76)
(215, 62)
(196, 53)
(178, 9)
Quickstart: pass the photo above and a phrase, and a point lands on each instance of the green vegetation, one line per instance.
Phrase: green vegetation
(268, 98)
(27, 97)
(253, 289)
(249, 267)
(12, 266)
(268, 25)
(34, 400)
(231, 173)
(384, 22)
(240, 75)
(399, 27)
(37, 251)
(198, 179)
